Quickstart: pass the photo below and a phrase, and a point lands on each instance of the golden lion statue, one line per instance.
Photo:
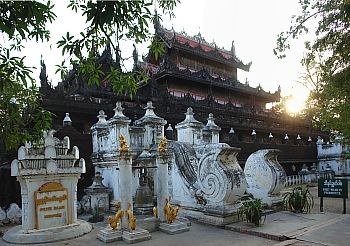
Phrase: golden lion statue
(162, 145)
(124, 147)
(114, 222)
(155, 212)
(131, 218)
(169, 211)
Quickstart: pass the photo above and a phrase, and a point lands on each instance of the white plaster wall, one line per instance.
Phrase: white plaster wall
(338, 166)
(329, 150)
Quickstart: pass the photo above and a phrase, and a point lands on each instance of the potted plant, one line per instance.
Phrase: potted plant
(298, 200)
(254, 211)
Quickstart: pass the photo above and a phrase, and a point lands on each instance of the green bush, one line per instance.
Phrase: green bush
(254, 212)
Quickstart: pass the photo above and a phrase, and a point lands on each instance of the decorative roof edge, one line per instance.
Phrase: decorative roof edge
(169, 37)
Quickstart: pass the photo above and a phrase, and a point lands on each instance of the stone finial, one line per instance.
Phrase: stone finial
(253, 133)
(319, 140)
(211, 120)
(270, 136)
(298, 137)
(169, 132)
(169, 128)
(67, 120)
(231, 131)
(124, 147)
(118, 110)
(337, 138)
(150, 109)
(189, 114)
(162, 145)
(286, 137)
(309, 139)
(102, 117)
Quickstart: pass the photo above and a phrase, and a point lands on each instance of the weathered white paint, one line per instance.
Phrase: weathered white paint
(162, 159)
(40, 165)
(265, 176)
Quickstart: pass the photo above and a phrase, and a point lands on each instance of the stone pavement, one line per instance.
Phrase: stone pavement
(292, 228)
(315, 229)
(301, 229)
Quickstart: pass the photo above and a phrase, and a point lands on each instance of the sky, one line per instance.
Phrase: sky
(253, 25)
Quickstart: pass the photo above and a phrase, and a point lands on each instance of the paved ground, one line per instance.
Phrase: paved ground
(315, 229)
(199, 234)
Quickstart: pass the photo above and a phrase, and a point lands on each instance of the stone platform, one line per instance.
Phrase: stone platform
(107, 235)
(16, 235)
(173, 228)
(135, 236)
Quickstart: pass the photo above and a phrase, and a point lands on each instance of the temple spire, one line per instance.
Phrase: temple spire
(43, 75)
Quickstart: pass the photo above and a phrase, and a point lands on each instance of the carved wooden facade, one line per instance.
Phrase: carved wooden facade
(190, 73)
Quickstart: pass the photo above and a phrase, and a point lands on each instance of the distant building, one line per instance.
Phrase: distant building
(333, 156)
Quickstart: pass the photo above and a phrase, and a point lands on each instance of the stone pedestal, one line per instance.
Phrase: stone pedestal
(17, 235)
(136, 236)
(174, 228)
(108, 235)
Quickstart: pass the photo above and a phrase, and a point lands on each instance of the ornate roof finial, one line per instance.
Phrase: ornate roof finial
(135, 56)
(233, 48)
(43, 75)
(67, 120)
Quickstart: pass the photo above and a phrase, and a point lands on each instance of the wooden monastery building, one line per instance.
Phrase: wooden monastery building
(190, 73)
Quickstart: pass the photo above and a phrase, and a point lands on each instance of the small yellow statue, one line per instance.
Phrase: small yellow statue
(124, 147)
(162, 145)
(131, 218)
(155, 212)
(115, 222)
(169, 211)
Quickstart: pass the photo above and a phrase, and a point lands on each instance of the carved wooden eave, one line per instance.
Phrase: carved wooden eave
(203, 76)
(199, 46)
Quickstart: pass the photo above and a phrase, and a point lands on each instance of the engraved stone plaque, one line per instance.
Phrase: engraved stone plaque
(51, 201)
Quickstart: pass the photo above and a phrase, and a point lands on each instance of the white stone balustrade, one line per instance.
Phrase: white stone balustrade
(304, 179)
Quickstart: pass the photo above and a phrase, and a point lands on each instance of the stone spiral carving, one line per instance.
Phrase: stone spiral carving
(211, 179)
(220, 178)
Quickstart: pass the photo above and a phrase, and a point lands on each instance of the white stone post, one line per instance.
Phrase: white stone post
(125, 184)
(162, 160)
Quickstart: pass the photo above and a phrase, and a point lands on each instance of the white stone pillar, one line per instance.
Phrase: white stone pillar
(162, 160)
(125, 184)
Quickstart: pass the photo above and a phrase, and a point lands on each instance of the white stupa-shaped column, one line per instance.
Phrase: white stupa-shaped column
(162, 161)
(125, 184)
